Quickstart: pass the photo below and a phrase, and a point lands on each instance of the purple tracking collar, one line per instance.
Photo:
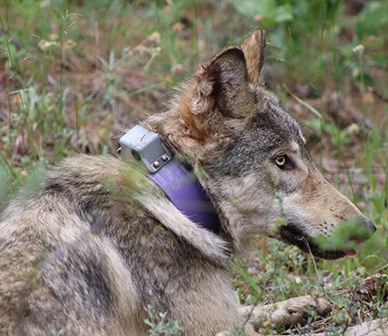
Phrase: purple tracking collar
(183, 189)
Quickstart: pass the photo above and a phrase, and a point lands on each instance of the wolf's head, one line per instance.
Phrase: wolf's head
(251, 157)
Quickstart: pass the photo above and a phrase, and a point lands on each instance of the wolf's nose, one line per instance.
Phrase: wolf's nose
(364, 230)
(369, 224)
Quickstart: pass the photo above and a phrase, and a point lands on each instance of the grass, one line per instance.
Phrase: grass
(74, 74)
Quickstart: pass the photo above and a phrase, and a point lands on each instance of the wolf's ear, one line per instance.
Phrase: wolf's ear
(253, 48)
(222, 85)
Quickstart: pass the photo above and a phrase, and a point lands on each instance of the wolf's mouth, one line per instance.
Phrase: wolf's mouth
(295, 236)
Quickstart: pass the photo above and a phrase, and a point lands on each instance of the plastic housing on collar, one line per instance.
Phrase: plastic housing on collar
(142, 144)
(178, 181)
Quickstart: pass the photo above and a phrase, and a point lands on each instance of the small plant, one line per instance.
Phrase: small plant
(160, 325)
(59, 332)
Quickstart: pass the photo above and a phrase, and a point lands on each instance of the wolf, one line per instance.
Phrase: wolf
(97, 241)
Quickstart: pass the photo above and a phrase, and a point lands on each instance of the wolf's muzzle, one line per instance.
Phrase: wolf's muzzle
(293, 234)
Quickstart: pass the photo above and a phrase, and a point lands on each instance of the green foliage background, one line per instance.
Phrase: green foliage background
(75, 74)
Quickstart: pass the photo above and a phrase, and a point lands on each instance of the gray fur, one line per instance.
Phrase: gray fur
(98, 241)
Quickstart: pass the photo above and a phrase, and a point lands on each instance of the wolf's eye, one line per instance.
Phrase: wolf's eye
(281, 161)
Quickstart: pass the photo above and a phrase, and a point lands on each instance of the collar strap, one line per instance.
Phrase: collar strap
(183, 189)
(177, 181)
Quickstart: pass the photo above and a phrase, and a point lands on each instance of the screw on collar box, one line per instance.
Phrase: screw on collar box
(147, 146)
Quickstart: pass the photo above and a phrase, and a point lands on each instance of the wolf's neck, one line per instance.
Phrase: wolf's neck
(172, 129)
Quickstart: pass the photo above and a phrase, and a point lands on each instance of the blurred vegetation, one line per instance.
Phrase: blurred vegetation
(75, 74)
